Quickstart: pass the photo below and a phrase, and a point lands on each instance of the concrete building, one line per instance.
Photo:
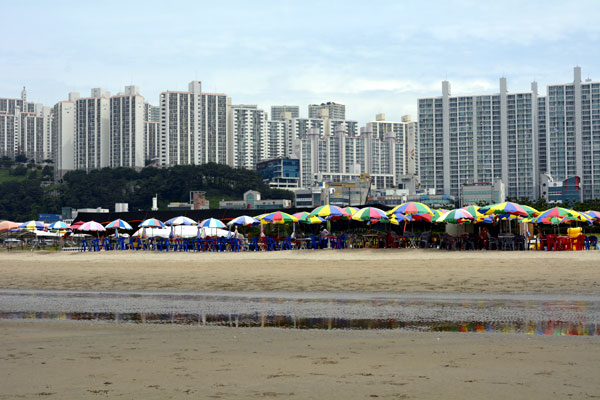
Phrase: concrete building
(9, 125)
(151, 113)
(63, 136)
(277, 142)
(252, 200)
(282, 113)
(482, 193)
(151, 141)
(573, 133)
(332, 110)
(178, 112)
(92, 131)
(466, 139)
(250, 138)
(405, 136)
(214, 139)
(127, 129)
(280, 173)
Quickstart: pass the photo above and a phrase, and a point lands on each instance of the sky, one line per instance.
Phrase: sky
(372, 56)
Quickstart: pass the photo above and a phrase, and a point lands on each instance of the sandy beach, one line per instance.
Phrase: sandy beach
(79, 360)
(89, 361)
(411, 271)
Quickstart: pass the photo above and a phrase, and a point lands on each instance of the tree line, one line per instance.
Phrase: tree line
(25, 199)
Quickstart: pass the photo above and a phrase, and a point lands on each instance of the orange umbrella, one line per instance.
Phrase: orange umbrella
(8, 225)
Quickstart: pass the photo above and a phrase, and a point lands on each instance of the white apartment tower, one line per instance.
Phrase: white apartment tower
(92, 131)
(250, 139)
(63, 136)
(469, 139)
(404, 134)
(572, 133)
(127, 129)
(333, 110)
(194, 127)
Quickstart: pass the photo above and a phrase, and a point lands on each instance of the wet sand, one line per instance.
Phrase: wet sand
(68, 360)
(404, 271)
(79, 360)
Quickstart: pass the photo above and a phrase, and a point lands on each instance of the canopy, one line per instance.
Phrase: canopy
(279, 217)
(58, 225)
(181, 220)
(504, 208)
(457, 216)
(212, 223)
(329, 211)
(152, 223)
(32, 226)
(244, 220)
(92, 226)
(118, 224)
(371, 214)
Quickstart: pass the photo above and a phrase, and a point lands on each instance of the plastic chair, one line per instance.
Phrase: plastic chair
(286, 244)
(551, 243)
(271, 244)
(253, 244)
(85, 245)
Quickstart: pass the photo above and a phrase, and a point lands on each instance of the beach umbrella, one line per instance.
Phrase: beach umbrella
(474, 211)
(181, 220)
(243, 220)
(152, 223)
(92, 226)
(118, 224)
(6, 226)
(211, 223)
(504, 208)
(370, 214)
(279, 217)
(595, 215)
(530, 210)
(411, 208)
(457, 216)
(301, 216)
(437, 213)
(329, 211)
(58, 226)
(559, 212)
(32, 226)
(77, 224)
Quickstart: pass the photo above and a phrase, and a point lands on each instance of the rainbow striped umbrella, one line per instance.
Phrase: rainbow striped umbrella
(559, 212)
(329, 211)
(530, 210)
(397, 218)
(211, 223)
(32, 226)
(438, 213)
(152, 223)
(279, 217)
(457, 216)
(474, 211)
(370, 214)
(351, 211)
(504, 208)
(92, 226)
(305, 218)
(411, 208)
(118, 224)
(594, 215)
(58, 226)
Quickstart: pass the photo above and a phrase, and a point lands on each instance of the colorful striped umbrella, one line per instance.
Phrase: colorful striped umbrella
(457, 216)
(351, 211)
(279, 217)
(59, 226)
(594, 215)
(530, 210)
(370, 214)
(92, 226)
(474, 211)
(243, 220)
(329, 211)
(152, 223)
(32, 226)
(397, 218)
(411, 208)
(437, 213)
(211, 223)
(181, 220)
(118, 224)
(504, 208)
(77, 224)
(559, 212)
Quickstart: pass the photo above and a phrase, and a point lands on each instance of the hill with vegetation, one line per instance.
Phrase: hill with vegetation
(25, 195)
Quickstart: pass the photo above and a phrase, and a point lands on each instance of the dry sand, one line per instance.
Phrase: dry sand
(75, 360)
(69, 360)
(325, 270)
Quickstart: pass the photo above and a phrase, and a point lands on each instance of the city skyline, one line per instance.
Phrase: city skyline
(373, 59)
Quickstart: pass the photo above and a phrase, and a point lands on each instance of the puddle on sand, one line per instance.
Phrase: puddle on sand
(560, 328)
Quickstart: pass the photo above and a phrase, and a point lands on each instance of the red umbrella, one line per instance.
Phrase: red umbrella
(77, 224)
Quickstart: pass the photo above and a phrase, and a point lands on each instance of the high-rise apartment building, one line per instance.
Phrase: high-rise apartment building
(282, 113)
(327, 110)
(250, 137)
(405, 134)
(276, 142)
(8, 133)
(572, 133)
(151, 113)
(127, 129)
(63, 136)
(151, 141)
(194, 127)
(469, 139)
(92, 131)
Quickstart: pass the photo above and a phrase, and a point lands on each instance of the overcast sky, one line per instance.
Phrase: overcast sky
(372, 56)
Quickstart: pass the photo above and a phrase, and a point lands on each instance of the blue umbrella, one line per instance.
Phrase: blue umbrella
(118, 224)
(212, 223)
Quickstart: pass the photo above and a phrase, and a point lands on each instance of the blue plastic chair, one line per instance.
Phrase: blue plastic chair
(84, 245)
(253, 244)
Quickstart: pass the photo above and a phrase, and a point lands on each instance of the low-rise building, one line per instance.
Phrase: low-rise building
(252, 200)
(483, 193)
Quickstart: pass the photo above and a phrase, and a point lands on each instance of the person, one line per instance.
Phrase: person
(293, 235)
